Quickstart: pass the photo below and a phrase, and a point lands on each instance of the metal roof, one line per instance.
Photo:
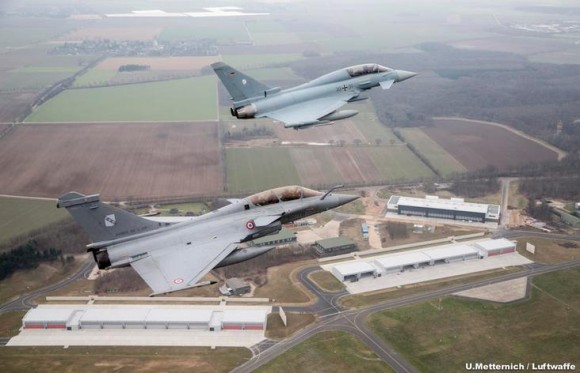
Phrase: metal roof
(491, 245)
(179, 315)
(349, 269)
(42, 314)
(146, 314)
(392, 261)
(329, 243)
(443, 204)
(115, 315)
(450, 251)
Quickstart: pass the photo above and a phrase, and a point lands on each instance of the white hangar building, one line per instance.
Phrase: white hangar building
(354, 271)
(395, 263)
(435, 207)
(71, 317)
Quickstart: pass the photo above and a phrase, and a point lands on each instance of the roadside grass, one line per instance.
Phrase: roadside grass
(549, 251)
(174, 100)
(281, 287)
(10, 323)
(326, 281)
(334, 352)
(122, 358)
(443, 231)
(443, 337)
(18, 216)
(370, 298)
(296, 322)
(517, 200)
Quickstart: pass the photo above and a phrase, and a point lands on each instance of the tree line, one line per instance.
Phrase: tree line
(29, 256)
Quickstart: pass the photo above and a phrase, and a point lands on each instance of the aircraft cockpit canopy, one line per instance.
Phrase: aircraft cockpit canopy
(282, 194)
(368, 68)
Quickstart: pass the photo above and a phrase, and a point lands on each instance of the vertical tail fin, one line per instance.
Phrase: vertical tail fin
(101, 221)
(239, 85)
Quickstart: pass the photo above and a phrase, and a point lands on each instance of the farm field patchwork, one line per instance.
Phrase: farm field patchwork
(478, 146)
(119, 161)
(255, 168)
(19, 216)
(175, 100)
(223, 31)
(160, 68)
(112, 33)
(245, 61)
(442, 337)
(442, 161)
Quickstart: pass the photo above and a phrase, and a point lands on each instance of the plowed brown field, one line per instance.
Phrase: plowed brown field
(477, 146)
(119, 161)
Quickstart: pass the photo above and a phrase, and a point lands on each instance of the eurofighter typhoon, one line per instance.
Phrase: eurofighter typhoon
(311, 104)
(171, 257)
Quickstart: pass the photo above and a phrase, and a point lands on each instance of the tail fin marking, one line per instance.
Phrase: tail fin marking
(103, 222)
(239, 85)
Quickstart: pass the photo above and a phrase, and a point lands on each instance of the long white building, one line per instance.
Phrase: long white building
(435, 207)
(395, 263)
(73, 317)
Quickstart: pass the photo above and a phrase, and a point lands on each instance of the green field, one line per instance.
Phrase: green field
(36, 77)
(95, 77)
(332, 352)
(439, 158)
(368, 123)
(256, 169)
(443, 336)
(175, 100)
(398, 163)
(245, 61)
(19, 216)
(122, 358)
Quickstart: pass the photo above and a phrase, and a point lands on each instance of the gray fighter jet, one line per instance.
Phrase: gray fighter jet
(311, 104)
(172, 257)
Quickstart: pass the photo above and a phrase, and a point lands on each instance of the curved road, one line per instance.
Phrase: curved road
(24, 301)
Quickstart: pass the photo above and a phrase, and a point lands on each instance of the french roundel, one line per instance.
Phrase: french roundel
(250, 225)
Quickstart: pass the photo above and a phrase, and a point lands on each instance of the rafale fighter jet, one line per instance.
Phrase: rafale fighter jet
(311, 104)
(172, 257)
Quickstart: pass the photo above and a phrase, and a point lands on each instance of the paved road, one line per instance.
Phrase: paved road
(505, 193)
(24, 302)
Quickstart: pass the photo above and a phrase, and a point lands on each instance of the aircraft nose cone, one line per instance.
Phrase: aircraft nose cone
(345, 198)
(404, 75)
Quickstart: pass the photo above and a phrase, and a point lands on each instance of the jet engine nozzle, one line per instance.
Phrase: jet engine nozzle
(248, 111)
